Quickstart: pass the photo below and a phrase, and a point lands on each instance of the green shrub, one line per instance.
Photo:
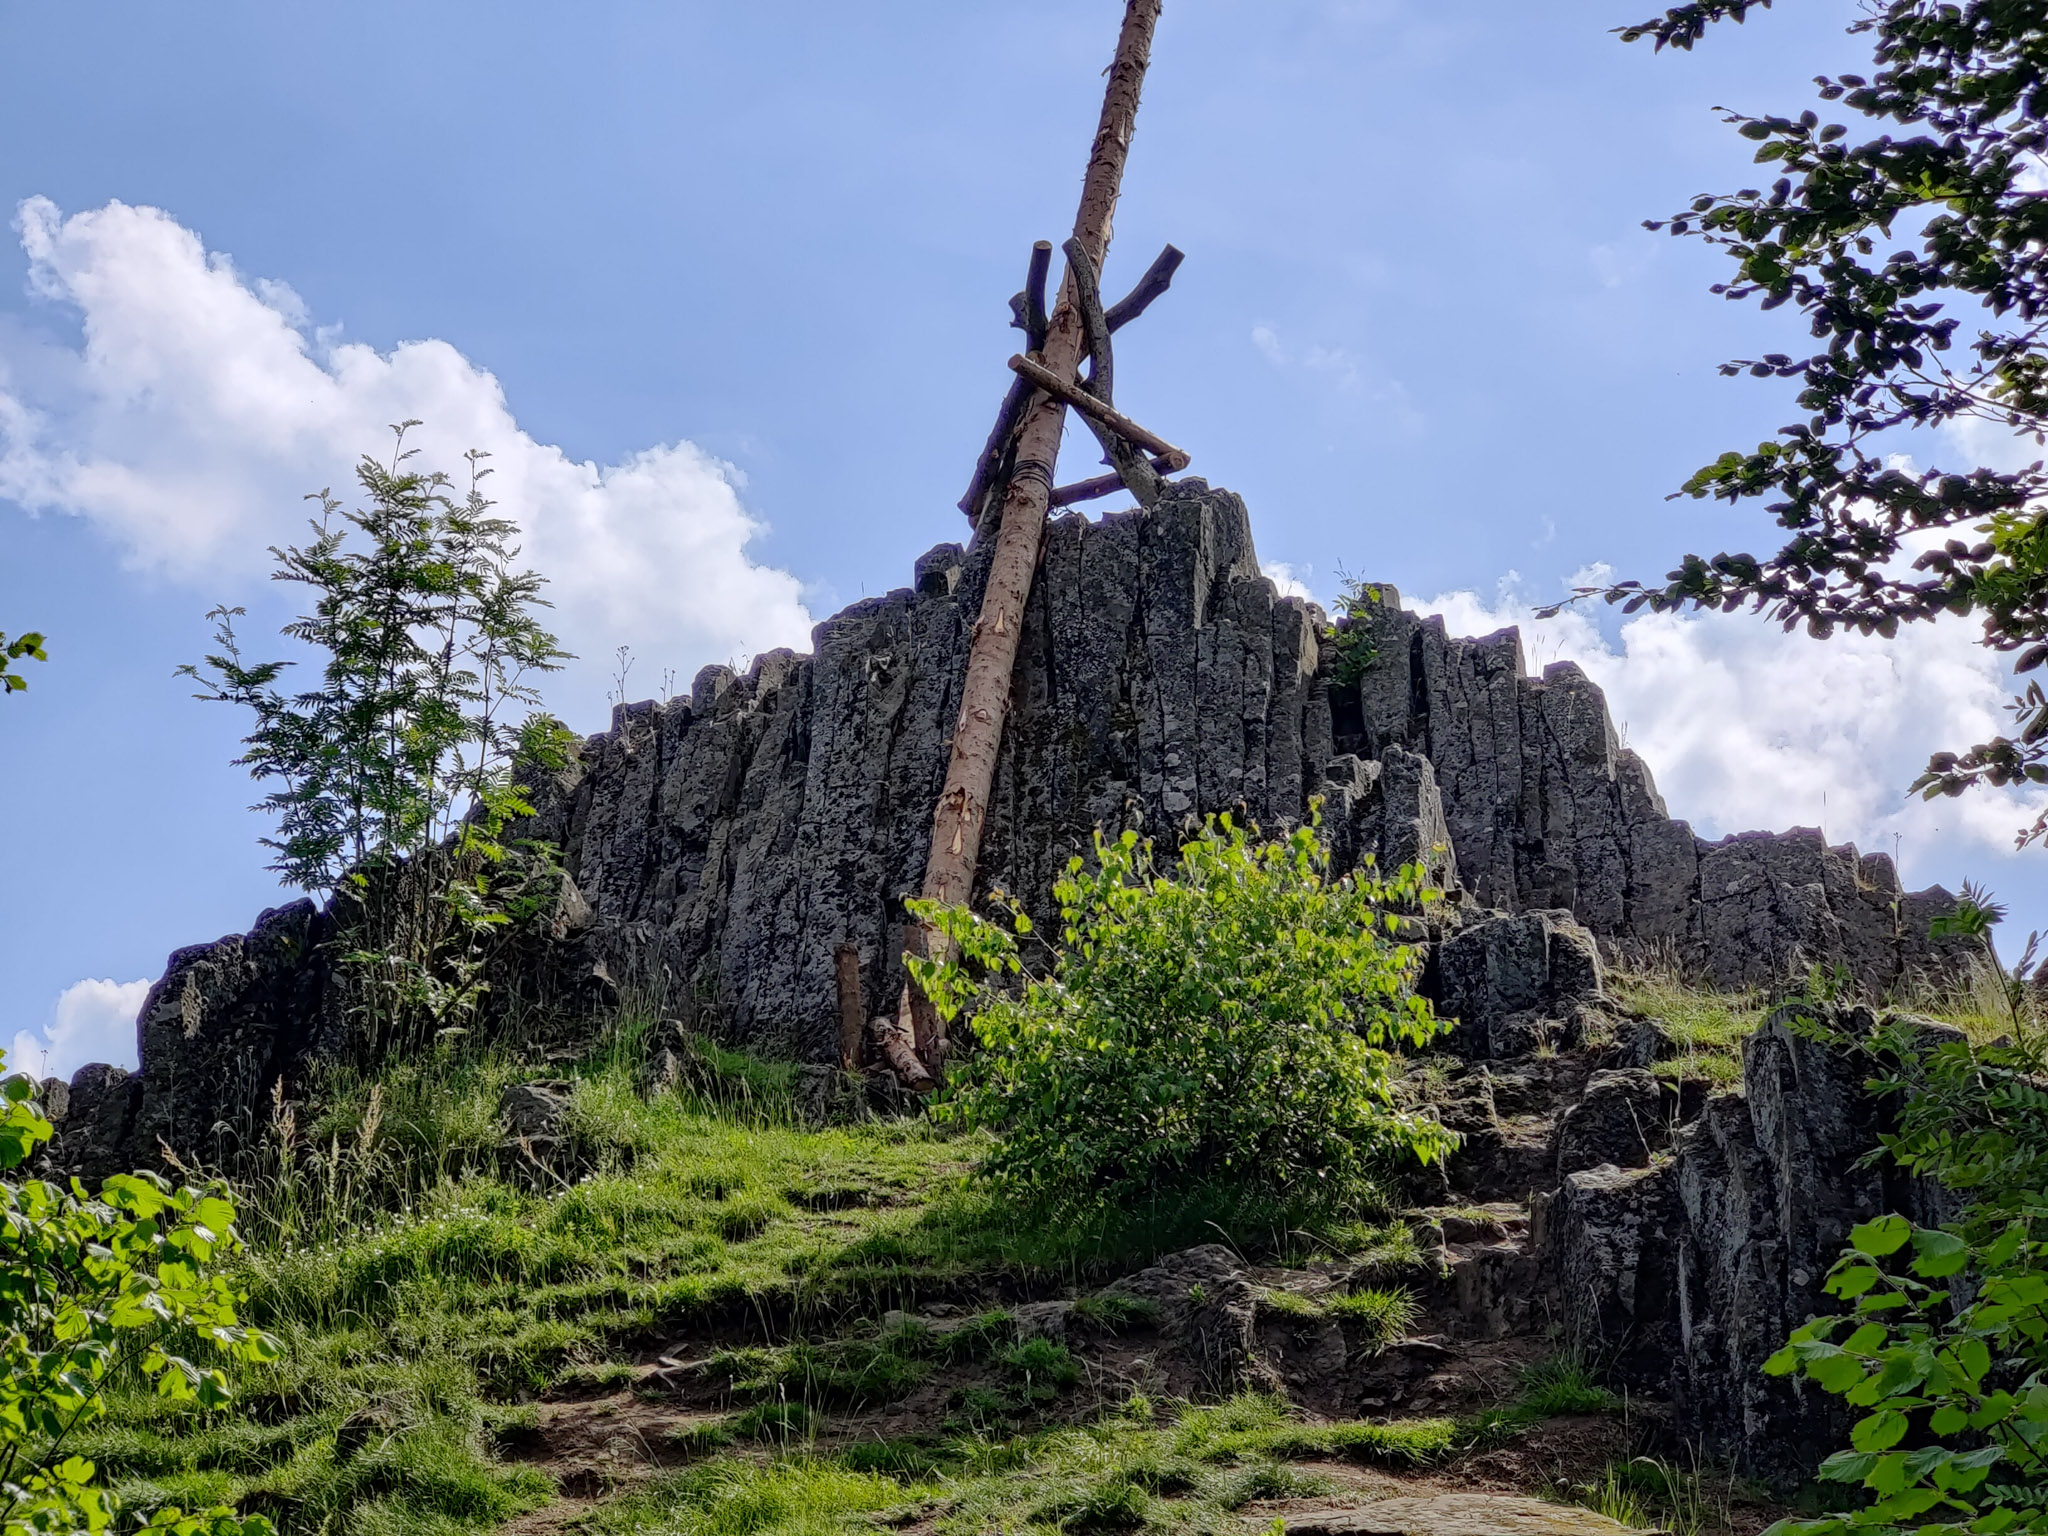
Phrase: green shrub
(1945, 1345)
(89, 1285)
(1222, 1024)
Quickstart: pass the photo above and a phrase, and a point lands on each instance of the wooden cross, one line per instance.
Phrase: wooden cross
(1014, 479)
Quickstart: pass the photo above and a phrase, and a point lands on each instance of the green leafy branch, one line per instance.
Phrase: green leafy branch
(1957, 1370)
(29, 646)
(88, 1285)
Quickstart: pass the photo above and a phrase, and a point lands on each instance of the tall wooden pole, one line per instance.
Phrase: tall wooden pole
(992, 654)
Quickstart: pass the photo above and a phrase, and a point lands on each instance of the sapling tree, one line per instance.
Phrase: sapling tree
(1914, 247)
(392, 773)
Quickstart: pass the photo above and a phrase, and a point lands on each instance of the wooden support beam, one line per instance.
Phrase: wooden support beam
(846, 967)
(992, 648)
(1109, 485)
(1157, 279)
(1094, 326)
(1088, 405)
(893, 1039)
(1007, 416)
(1035, 319)
(1132, 468)
(1027, 314)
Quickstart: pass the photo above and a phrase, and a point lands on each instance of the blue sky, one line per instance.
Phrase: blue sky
(664, 261)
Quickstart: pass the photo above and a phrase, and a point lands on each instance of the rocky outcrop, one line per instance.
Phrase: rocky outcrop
(1675, 1237)
(721, 845)
(215, 1033)
(1686, 1275)
(737, 835)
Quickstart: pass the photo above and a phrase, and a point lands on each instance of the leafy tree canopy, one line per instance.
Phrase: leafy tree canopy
(1915, 248)
(430, 640)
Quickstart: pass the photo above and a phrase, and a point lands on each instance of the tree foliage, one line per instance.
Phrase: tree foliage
(29, 646)
(430, 642)
(394, 771)
(1225, 1022)
(1916, 253)
(90, 1286)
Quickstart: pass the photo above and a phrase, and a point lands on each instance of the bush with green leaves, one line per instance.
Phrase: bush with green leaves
(92, 1286)
(395, 770)
(1347, 633)
(1225, 1023)
(1945, 1343)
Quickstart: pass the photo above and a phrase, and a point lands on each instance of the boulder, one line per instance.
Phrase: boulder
(1618, 1120)
(534, 1111)
(826, 1095)
(1502, 974)
(1208, 1314)
(1615, 1265)
(1689, 1273)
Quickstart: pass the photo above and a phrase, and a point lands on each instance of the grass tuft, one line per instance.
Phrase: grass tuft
(1381, 1315)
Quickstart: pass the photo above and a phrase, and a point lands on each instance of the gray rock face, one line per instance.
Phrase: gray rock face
(529, 1110)
(1547, 809)
(1614, 1265)
(1617, 1122)
(215, 1034)
(721, 845)
(1689, 1274)
(1503, 976)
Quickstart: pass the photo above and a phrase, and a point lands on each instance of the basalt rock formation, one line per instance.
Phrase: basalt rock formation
(732, 838)
(719, 846)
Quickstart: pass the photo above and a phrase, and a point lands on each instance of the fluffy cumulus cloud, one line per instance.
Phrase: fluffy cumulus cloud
(1747, 727)
(201, 405)
(93, 1021)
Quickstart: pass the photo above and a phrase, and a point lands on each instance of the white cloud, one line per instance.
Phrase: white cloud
(1747, 727)
(93, 1021)
(199, 410)
(1285, 582)
(1347, 372)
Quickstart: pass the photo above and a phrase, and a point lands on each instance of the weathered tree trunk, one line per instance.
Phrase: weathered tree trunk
(852, 1025)
(992, 655)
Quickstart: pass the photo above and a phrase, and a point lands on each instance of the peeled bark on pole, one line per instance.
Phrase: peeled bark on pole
(992, 654)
